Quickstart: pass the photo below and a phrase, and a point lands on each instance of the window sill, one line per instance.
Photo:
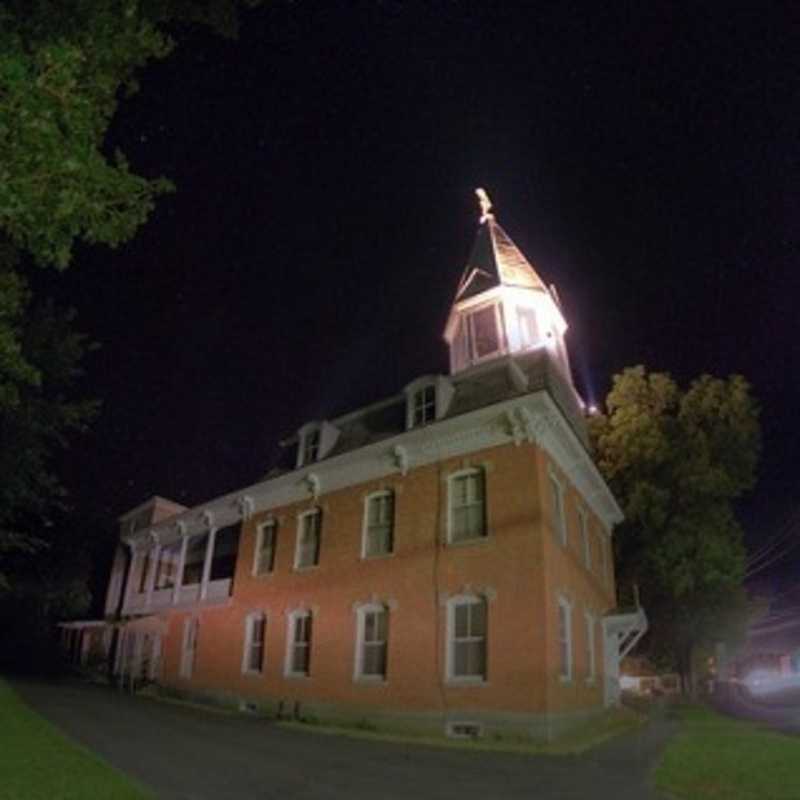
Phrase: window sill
(309, 568)
(466, 680)
(477, 540)
(370, 680)
(565, 680)
(297, 676)
(263, 575)
(591, 682)
(252, 673)
(377, 556)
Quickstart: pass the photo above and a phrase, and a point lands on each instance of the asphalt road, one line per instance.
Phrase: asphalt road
(185, 753)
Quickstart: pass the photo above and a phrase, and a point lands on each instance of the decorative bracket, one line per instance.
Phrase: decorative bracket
(400, 457)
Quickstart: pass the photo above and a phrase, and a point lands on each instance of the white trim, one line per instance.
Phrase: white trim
(449, 438)
(565, 676)
(365, 523)
(591, 647)
(301, 517)
(450, 676)
(270, 522)
(291, 617)
(249, 627)
(451, 479)
(358, 661)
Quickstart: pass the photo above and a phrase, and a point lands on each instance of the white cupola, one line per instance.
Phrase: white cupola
(502, 306)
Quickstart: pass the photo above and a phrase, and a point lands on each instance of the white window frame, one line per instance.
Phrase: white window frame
(450, 641)
(271, 524)
(301, 522)
(191, 629)
(565, 671)
(307, 452)
(361, 617)
(451, 481)
(498, 327)
(583, 525)
(250, 626)
(365, 528)
(428, 407)
(557, 507)
(591, 644)
(291, 619)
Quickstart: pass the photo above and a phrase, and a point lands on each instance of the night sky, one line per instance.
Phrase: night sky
(644, 157)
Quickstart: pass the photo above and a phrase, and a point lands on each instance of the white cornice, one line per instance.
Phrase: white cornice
(536, 415)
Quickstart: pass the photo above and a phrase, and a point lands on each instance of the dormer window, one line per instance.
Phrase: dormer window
(427, 399)
(311, 446)
(424, 408)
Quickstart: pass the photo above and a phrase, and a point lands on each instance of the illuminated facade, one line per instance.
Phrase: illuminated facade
(439, 561)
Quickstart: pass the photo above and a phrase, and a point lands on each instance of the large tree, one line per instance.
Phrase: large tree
(64, 67)
(677, 460)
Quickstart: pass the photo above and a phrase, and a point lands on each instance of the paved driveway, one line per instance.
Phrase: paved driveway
(193, 754)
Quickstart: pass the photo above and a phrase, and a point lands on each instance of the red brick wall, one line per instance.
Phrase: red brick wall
(509, 563)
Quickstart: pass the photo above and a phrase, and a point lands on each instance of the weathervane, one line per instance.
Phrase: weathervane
(486, 204)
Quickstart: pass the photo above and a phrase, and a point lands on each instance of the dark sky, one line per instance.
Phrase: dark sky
(644, 157)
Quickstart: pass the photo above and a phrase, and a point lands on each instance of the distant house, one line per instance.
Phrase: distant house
(439, 560)
(639, 676)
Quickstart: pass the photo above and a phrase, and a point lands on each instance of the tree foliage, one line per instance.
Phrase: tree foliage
(677, 460)
(64, 67)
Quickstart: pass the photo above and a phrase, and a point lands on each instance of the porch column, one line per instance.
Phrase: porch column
(155, 554)
(132, 567)
(212, 535)
(176, 590)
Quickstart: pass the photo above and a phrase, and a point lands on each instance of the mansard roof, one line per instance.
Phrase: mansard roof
(479, 387)
(496, 261)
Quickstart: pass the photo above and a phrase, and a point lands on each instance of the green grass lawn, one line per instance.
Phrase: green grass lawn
(715, 757)
(38, 763)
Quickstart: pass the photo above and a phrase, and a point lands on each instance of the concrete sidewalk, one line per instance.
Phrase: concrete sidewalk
(185, 753)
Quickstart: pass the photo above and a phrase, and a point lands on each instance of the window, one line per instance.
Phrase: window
(308, 539)
(298, 656)
(583, 523)
(372, 642)
(311, 446)
(226, 546)
(467, 506)
(255, 626)
(266, 543)
(379, 525)
(189, 649)
(557, 502)
(167, 568)
(195, 558)
(528, 329)
(467, 625)
(485, 338)
(564, 639)
(591, 667)
(424, 406)
(145, 572)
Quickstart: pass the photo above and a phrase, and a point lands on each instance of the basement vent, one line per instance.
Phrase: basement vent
(464, 730)
(249, 708)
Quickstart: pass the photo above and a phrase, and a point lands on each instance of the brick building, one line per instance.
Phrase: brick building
(439, 561)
